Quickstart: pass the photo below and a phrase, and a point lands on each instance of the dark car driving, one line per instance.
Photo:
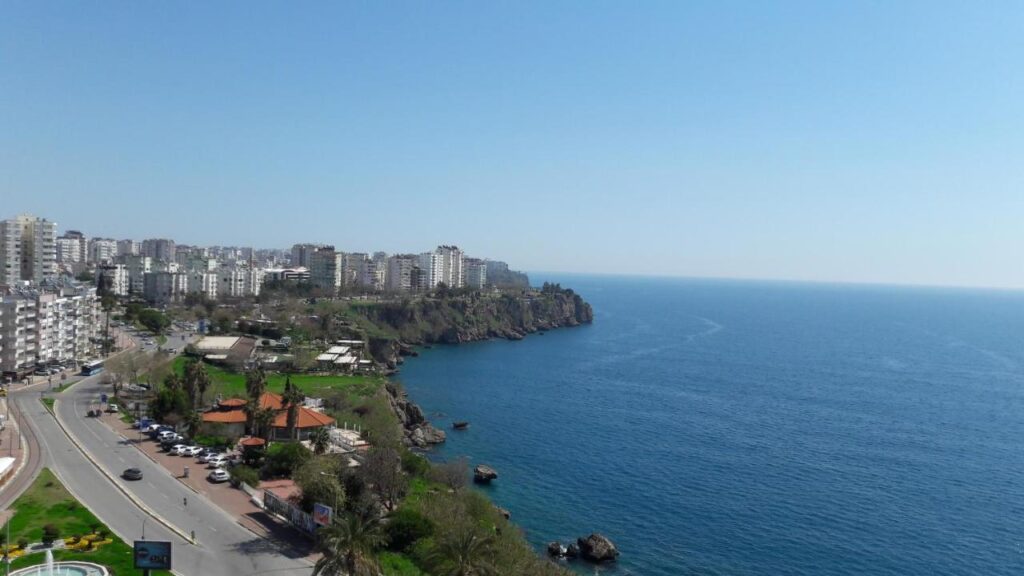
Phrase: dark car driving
(132, 474)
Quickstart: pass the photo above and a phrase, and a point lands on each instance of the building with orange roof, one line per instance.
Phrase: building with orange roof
(228, 419)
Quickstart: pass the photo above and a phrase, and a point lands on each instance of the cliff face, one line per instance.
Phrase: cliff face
(396, 326)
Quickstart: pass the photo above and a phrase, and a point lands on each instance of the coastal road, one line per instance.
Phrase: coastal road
(224, 547)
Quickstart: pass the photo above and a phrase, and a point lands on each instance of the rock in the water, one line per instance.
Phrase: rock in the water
(572, 550)
(597, 548)
(555, 549)
(483, 474)
(432, 435)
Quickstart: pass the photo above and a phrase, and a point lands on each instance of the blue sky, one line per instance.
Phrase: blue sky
(868, 141)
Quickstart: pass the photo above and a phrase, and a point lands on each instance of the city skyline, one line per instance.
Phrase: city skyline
(794, 141)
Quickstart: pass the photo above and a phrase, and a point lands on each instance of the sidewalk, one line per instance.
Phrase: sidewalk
(233, 501)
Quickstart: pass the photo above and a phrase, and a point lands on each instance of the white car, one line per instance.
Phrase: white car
(177, 448)
(219, 475)
(218, 461)
(205, 458)
(191, 451)
(165, 434)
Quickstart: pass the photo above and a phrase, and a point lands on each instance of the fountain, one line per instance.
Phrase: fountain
(51, 568)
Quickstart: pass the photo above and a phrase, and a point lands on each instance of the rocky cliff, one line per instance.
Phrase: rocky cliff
(395, 327)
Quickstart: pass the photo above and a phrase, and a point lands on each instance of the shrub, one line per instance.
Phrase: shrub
(405, 527)
(240, 474)
(285, 459)
(50, 533)
(23, 543)
(414, 464)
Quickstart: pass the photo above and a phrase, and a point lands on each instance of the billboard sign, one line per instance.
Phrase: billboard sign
(152, 555)
(322, 514)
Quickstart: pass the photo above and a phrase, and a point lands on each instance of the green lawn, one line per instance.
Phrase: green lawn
(48, 402)
(48, 502)
(231, 384)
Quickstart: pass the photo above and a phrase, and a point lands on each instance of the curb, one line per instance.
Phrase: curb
(56, 414)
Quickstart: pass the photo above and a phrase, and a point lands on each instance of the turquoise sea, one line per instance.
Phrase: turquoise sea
(727, 427)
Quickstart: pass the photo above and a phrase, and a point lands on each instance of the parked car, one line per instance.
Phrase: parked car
(178, 448)
(219, 475)
(162, 434)
(207, 454)
(191, 451)
(132, 474)
(218, 461)
(112, 408)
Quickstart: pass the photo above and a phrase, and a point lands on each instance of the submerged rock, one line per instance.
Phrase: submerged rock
(597, 548)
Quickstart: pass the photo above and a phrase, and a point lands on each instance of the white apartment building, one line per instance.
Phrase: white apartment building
(399, 273)
(102, 250)
(239, 281)
(115, 278)
(372, 274)
(52, 322)
(28, 250)
(351, 264)
(137, 266)
(444, 264)
(475, 273)
(72, 248)
(201, 282)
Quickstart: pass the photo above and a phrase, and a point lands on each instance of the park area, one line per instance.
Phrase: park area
(230, 384)
(48, 511)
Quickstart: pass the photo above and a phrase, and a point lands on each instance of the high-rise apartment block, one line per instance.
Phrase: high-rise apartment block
(159, 249)
(28, 250)
(54, 321)
(72, 248)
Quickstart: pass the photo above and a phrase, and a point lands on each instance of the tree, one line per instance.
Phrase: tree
(348, 547)
(193, 421)
(196, 381)
(293, 398)
(320, 439)
(255, 384)
(383, 472)
(320, 481)
(453, 473)
(154, 320)
(463, 553)
(405, 527)
(263, 422)
(284, 459)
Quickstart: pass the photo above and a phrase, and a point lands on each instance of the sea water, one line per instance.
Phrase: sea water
(721, 427)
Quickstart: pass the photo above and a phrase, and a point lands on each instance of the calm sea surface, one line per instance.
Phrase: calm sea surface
(713, 427)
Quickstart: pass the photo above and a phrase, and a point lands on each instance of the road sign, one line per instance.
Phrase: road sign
(152, 555)
(322, 514)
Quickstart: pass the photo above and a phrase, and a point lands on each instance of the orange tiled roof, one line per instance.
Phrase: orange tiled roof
(234, 413)
(307, 419)
(253, 442)
(225, 416)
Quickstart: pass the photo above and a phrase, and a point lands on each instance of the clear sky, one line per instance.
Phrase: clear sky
(847, 141)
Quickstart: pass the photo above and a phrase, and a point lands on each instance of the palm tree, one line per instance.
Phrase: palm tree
(263, 420)
(202, 380)
(464, 553)
(321, 440)
(193, 420)
(292, 398)
(348, 547)
(255, 384)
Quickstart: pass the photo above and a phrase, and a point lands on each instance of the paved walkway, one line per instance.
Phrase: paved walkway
(232, 500)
